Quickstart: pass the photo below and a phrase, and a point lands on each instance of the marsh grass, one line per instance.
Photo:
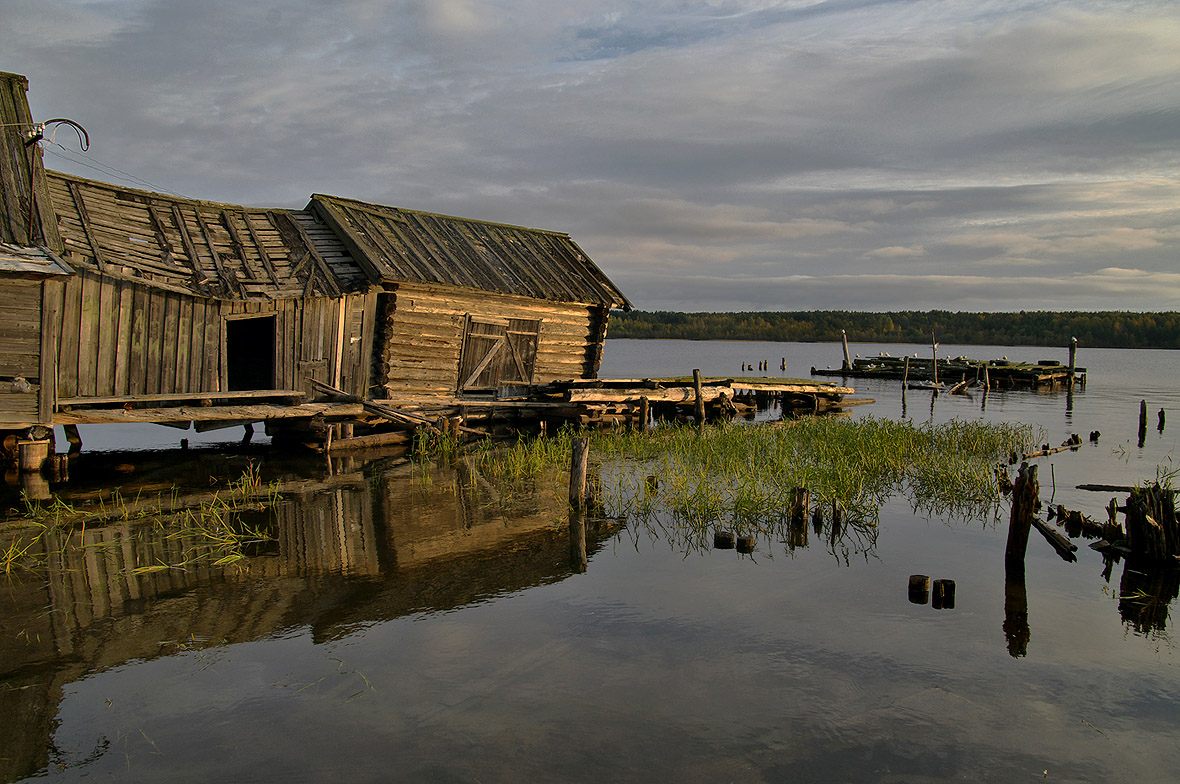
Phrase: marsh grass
(214, 529)
(682, 483)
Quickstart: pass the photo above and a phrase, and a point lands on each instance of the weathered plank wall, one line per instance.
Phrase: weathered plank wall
(20, 349)
(422, 337)
(118, 338)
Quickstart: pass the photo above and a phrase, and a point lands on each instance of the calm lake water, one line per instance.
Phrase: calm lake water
(420, 626)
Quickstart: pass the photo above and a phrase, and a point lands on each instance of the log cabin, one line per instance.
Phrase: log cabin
(137, 306)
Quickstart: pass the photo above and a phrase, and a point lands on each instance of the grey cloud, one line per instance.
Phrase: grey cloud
(838, 154)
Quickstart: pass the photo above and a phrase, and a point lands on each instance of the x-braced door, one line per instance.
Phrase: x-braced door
(498, 352)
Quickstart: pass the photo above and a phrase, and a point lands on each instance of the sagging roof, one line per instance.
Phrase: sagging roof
(225, 251)
(398, 245)
(30, 263)
(335, 245)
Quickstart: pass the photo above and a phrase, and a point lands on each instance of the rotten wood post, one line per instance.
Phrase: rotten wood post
(644, 412)
(1025, 495)
(934, 351)
(699, 404)
(847, 361)
(579, 458)
(800, 501)
(1073, 353)
(1016, 630)
(1142, 422)
(31, 455)
(578, 559)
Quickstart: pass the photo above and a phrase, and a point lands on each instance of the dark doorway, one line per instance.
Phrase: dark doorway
(250, 353)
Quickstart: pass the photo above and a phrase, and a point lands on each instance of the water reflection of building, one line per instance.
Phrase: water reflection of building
(350, 549)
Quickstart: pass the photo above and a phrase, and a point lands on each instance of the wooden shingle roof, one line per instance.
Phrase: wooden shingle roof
(398, 245)
(209, 249)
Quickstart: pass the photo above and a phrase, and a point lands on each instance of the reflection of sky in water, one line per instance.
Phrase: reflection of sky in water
(659, 664)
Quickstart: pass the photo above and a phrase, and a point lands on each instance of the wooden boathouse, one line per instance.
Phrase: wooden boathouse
(134, 306)
(342, 320)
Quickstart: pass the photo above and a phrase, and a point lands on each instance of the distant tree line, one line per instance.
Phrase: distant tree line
(1102, 329)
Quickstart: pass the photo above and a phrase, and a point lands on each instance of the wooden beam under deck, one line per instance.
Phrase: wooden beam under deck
(252, 413)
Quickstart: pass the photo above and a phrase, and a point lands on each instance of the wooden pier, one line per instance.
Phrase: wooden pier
(995, 373)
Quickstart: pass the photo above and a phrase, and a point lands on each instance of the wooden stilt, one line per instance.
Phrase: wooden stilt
(579, 458)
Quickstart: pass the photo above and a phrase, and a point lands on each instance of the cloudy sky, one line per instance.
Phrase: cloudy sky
(708, 154)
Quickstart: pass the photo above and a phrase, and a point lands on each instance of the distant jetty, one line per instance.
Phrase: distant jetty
(993, 373)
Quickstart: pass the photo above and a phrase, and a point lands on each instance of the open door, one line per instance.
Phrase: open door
(498, 352)
(250, 353)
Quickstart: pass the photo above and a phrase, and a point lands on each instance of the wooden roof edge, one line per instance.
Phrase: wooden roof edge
(622, 302)
(22, 262)
(327, 204)
(441, 215)
(368, 258)
(169, 197)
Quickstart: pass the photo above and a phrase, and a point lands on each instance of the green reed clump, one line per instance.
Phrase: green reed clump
(213, 529)
(742, 476)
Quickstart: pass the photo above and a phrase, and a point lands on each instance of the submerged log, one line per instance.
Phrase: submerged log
(1061, 544)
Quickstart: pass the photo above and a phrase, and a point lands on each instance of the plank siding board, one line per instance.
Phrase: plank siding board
(157, 302)
(51, 294)
(89, 337)
(213, 373)
(123, 316)
(172, 305)
(196, 354)
(183, 341)
(137, 366)
(71, 319)
(108, 330)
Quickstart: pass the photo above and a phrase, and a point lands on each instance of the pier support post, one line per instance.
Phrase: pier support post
(1073, 354)
(579, 458)
(699, 405)
(847, 361)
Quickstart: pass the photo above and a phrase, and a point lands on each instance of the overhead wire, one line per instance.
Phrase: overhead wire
(106, 169)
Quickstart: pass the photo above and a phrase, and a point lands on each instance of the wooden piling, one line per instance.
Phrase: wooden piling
(919, 589)
(699, 401)
(578, 559)
(800, 500)
(1025, 497)
(579, 459)
(847, 361)
(1073, 353)
(943, 595)
(1142, 421)
(31, 455)
(934, 352)
(644, 412)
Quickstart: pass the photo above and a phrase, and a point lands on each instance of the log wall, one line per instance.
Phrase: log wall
(421, 340)
(119, 338)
